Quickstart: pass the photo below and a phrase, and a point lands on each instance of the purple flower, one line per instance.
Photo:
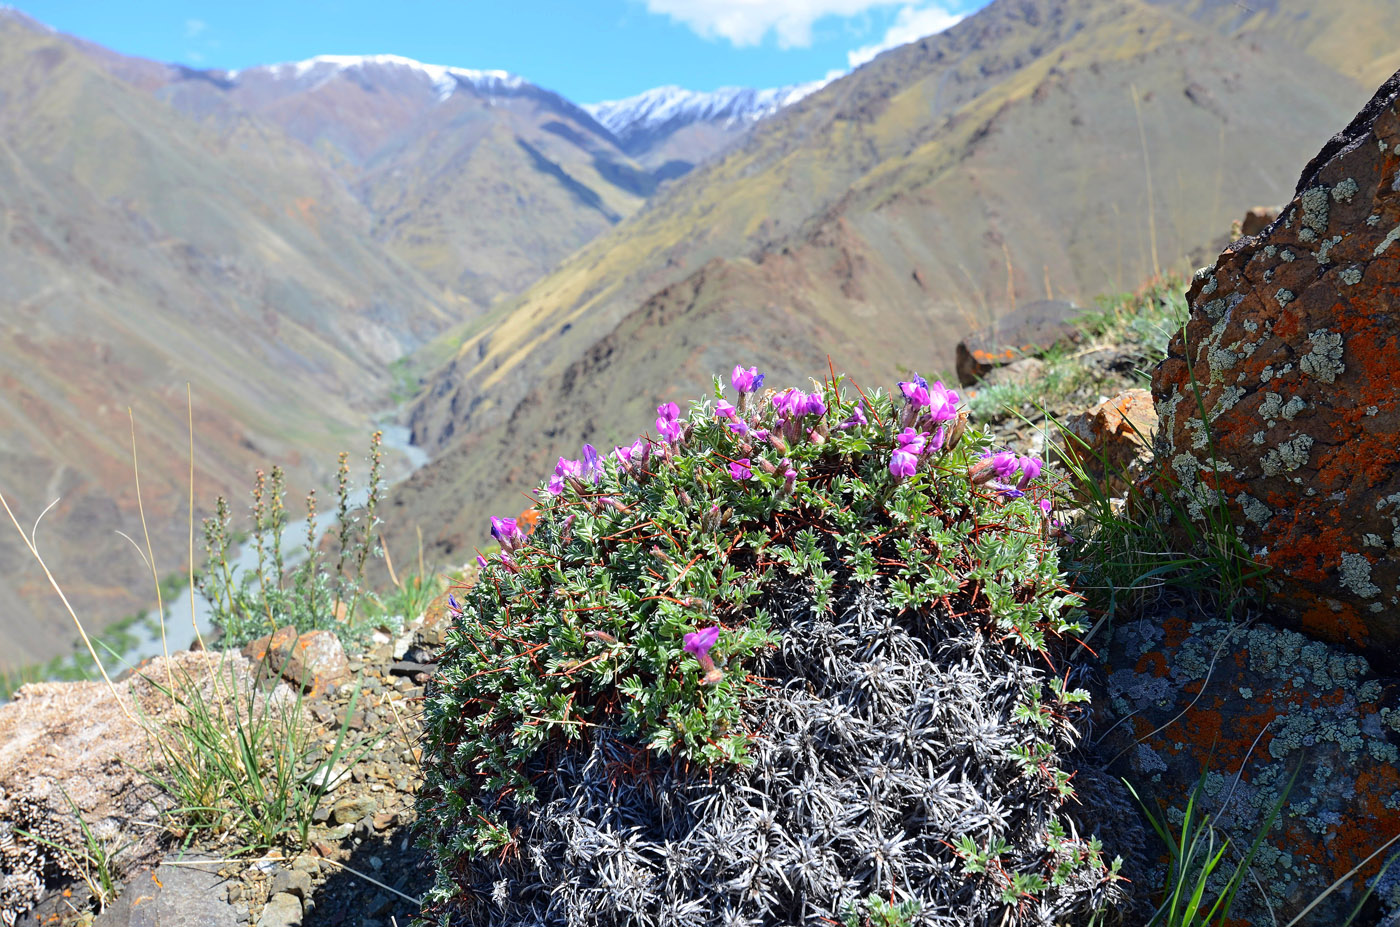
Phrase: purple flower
(911, 441)
(670, 430)
(592, 464)
(668, 411)
(1030, 469)
(700, 642)
(857, 418)
(739, 469)
(815, 405)
(453, 606)
(903, 464)
(915, 391)
(739, 427)
(724, 410)
(789, 480)
(942, 404)
(1045, 506)
(564, 469)
(746, 381)
(481, 561)
(507, 533)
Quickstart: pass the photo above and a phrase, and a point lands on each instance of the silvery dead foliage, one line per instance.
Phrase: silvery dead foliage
(26, 864)
(882, 739)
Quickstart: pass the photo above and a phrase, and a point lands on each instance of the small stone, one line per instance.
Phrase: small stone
(282, 910)
(385, 819)
(408, 668)
(376, 863)
(291, 882)
(349, 810)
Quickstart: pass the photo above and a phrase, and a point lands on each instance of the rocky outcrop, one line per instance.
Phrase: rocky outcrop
(1112, 442)
(1252, 703)
(71, 749)
(1281, 398)
(1030, 328)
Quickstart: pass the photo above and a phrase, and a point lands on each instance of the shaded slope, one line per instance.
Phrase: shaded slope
(142, 251)
(876, 221)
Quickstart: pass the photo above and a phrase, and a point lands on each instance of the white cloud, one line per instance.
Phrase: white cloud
(747, 22)
(193, 27)
(913, 22)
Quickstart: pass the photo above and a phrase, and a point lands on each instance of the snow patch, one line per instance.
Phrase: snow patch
(445, 80)
(670, 104)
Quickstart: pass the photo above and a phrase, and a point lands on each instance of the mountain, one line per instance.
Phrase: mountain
(481, 180)
(670, 129)
(143, 250)
(1040, 147)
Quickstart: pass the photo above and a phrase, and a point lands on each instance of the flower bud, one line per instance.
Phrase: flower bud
(956, 432)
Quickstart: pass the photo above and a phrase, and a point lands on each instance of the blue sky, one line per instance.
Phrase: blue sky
(589, 50)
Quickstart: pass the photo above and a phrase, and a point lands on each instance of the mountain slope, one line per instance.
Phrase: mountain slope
(480, 179)
(878, 219)
(143, 251)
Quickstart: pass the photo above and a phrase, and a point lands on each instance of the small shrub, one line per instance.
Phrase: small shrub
(319, 594)
(798, 651)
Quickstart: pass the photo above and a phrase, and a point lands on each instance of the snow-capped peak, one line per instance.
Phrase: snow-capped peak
(445, 79)
(671, 104)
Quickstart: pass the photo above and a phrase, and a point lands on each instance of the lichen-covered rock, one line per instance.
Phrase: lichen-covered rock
(1191, 694)
(1112, 442)
(1031, 327)
(1294, 347)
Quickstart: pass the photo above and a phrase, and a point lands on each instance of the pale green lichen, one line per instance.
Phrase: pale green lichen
(1228, 397)
(1373, 540)
(1373, 220)
(1324, 361)
(1284, 296)
(1253, 509)
(1324, 252)
(1344, 191)
(1356, 576)
(1287, 457)
(1391, 238)
(1351, 276)
(1315, 206)
(1286, 255)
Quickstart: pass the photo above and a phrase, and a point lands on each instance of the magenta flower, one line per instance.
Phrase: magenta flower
(699, 643)
(739, 427)
(670, 431)
(481, 561)
(592, 465)
(739, 469)
(814, 405)
(724, 410)
(915, 391)
(507, 533)
(1045, 506)
(903, 464)
(668, 411)
(789, 480)
(1030, 469)
(911, 441)
(746, 381)
(942, 404)
(857, 418)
